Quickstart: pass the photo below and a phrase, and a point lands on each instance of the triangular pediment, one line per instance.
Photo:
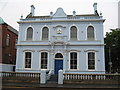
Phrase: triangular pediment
(60, 13)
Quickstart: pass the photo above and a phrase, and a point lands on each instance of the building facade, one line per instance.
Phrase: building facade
(74, 43)
(8, 40)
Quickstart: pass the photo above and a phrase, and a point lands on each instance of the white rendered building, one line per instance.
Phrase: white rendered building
(74, 43)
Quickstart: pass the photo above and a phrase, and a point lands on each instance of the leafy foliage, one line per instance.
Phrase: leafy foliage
(112, 42)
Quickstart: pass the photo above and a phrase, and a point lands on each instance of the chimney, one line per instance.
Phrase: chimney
(74, 13)
(21, 17)
(32, 10)
(51, 14)
(95, 7)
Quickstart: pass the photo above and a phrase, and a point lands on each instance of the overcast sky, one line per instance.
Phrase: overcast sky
(11, 10)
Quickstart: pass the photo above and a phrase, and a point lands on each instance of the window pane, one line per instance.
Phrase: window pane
(29, 34)
(44, 59)
(91, 60)
(58, 55)
(45, 33)
(73, 33)
(90, 33)
(8, 40)
(28, 60)
(73, 60)
(91, 56)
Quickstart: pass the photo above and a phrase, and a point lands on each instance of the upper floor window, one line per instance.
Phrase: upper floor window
(8, 40)
(16, 41)
(45, 33)
(90, 33)
(29, 34)
(44, 60)
(91, 60)
(28, 57)
(73, 60)
(73, 33)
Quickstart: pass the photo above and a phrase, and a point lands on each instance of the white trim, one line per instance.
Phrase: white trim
(91, 50)
(7, 64)
(25, 39)
(28, 50)
(48, 62)
(78, 60)
(74, 50)
(43, 50)
(61, 44)
(39, 58)
(68, 20)
(56, 53)
(59, 25)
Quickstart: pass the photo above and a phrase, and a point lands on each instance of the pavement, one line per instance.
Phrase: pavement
(54, 85)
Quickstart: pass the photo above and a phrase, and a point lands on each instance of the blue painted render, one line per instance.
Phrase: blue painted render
(61, 43)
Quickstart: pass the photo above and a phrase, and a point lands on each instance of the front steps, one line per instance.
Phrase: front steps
(53, 79)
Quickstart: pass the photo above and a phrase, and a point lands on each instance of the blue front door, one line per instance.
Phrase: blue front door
(58, 65)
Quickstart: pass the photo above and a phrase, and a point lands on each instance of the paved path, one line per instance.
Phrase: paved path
(55, 86)
(57, 89)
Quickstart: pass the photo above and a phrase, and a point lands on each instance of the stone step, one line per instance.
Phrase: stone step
(53, 79)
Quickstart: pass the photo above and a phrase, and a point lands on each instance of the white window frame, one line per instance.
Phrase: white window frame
(47, 59)
(70, 33)
(31, 59)
(26, 33)
(77, 60)
(87, 60)
(94, 32)
(58, 58)
(48, 33)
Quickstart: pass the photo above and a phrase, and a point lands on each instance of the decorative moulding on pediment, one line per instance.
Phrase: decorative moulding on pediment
(91, 50)
(60, 14)
(28, 50)
(43, 50)
(73, 50)
(55, 26)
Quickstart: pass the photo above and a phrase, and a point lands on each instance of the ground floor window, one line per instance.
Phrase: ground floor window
(44, 59)
(91, 60)
(28, 57)
(73, 60)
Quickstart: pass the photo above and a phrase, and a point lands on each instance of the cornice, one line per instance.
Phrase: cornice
(73, 20)
(60, 45)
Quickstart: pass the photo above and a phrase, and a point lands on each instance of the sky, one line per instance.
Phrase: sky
(11, 10)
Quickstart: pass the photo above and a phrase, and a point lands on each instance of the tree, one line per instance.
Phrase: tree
(112, 50)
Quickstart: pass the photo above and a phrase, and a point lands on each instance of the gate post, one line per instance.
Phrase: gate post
(60, 77)
(43, 77)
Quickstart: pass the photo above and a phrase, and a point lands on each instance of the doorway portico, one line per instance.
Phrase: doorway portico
(58, 63)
